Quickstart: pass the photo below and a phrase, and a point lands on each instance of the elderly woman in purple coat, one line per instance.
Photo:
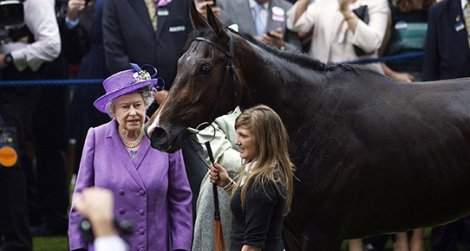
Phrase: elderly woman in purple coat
(150, 187)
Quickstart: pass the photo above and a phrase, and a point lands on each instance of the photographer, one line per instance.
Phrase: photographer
(22, 54)
(265, 20)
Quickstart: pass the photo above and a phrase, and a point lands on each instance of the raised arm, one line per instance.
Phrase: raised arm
(301, 16)
(300, 9)
(369, 37)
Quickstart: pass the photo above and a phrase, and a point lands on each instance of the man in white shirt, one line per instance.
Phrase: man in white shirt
(41, 22)
(21, 58)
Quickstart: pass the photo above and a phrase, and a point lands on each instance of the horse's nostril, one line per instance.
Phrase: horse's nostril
(159, 138)
(159, 133)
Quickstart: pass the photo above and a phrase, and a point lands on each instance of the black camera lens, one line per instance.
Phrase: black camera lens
(11, 13)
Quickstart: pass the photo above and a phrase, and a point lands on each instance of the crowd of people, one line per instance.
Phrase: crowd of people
(97, 131)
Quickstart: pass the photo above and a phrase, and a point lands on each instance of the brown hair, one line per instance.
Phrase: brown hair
(407, 5)
(273, 162)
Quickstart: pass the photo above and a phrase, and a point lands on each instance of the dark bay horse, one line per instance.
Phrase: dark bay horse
(372, 155)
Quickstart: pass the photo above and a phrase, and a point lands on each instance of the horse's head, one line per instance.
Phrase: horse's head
(207, 84)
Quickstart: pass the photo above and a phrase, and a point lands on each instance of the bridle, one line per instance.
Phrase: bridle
(229, 72)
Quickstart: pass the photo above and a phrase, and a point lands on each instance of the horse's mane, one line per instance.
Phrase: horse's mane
(303, 60)
(297, 58)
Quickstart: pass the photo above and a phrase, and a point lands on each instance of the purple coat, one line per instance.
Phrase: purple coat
(151, 190)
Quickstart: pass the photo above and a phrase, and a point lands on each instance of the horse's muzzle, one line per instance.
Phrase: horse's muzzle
(164, 141)
(159, 139)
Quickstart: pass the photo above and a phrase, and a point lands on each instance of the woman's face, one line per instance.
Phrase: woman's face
(129, 111)
(247, 144)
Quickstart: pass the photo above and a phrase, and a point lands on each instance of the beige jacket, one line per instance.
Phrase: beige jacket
(332, 40)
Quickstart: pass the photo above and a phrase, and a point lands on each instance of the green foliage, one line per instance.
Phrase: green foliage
(60, 243)
(54, 243)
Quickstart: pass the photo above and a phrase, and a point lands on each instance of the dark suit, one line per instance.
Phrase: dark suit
(239, 12)
(447, 56)
(128, 35)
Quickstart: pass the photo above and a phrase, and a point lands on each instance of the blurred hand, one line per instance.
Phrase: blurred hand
(218, 175)
(2, 61)
(201, 6)
(275, 38)
(160, 96)
(403, 77)
(75, 8)
(96, 204)
(344, 5)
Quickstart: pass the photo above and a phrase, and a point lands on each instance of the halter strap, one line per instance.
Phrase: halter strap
(228, 76)
(228, 54)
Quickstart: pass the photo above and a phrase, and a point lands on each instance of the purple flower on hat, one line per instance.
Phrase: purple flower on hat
(140, 76)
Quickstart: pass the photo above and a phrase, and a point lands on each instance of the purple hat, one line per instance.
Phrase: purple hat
(124, 82)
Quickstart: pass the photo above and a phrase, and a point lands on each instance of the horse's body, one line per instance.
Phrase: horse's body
(372, 155)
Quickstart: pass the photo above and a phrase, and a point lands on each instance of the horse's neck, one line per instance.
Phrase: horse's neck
(279, 84)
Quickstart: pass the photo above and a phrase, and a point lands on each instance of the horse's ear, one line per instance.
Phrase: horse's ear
(197, 19)
(215, 23)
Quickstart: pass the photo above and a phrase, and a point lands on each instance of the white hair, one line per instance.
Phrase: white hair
(147, 96)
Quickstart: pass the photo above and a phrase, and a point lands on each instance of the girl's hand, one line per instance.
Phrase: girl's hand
(218, 175)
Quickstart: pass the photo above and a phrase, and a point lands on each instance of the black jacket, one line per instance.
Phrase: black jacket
(128, 35)
(446, 53)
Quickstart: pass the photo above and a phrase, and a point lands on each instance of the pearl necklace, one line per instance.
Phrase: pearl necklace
(131, 144)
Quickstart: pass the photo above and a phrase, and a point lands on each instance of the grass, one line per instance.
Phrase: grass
(60, 243)
(53, 243)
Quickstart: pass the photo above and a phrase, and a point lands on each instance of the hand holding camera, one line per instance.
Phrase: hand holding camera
(75, 8)
(97, 205)
(275, 38)
(201, 6)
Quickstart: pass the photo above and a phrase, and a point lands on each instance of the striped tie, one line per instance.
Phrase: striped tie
(152, 12)
(260, 23)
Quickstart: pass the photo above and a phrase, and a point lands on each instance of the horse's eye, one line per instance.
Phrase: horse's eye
(205, 68)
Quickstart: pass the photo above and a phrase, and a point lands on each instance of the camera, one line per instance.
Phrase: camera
(11, 13)
(11, 18)
(124, 227)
